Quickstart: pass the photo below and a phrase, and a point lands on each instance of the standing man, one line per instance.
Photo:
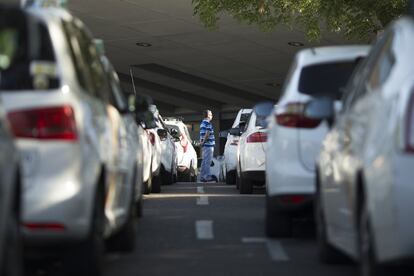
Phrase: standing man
(207, 143)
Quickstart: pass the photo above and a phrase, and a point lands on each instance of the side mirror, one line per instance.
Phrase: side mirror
(224, 133)
(235, 131)
(162, 133)
(143, 113)
(142, 103)
(263, 109)
(174, 133)
(322, 109)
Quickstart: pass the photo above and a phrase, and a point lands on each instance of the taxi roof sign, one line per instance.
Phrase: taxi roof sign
(44, 3)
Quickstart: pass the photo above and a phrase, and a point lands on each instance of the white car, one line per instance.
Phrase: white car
(168, 150)
(251, 154)
(294, 140)
(364, 183)
(156, 178)
(130, 155)
(10, 196)
(186, 154)
(57, 101)
(230, 149)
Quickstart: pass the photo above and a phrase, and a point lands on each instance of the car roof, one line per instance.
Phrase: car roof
(330, 53)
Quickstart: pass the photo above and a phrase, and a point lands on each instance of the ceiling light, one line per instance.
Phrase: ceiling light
(144, 44)
(296, 44)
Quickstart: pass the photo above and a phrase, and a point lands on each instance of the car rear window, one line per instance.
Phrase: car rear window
(27, 59)
(326, 79)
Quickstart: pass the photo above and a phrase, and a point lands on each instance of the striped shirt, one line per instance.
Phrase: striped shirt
(204, 127)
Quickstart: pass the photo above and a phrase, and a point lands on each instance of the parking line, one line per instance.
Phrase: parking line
(202, 200)
(275, 248)
(276, 251)
(200, 190)
(253, 240)
(204, 229)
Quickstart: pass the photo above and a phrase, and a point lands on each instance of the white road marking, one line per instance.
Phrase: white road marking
(202, 200)
(204, 229)
(254, 240)
(276, 251)
(275, 248)
(200, 190)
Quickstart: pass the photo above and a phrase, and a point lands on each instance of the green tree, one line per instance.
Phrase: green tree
(355, 18)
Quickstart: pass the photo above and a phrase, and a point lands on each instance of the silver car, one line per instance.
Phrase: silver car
(57, 98)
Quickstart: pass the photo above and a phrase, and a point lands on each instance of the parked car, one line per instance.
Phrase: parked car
(57, 100)
(186, 154)
(364, 170)
(151, 146)
(251, 154)
(168, 150)
(10, 186)
(294, 139)
(230, 149)
(130, 155)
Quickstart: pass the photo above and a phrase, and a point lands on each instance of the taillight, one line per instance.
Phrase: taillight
(257, 137)
(45, 226)
(409, 126)
(44, 123)
(152, 138)
(293, 199)
(292, 115)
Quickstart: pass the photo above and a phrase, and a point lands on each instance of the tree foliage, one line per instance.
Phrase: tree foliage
(354, 18)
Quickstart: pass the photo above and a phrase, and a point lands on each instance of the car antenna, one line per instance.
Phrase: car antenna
(131, 73)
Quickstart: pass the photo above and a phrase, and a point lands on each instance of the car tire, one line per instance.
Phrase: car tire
(156, 184)
(86, 258)
(13, 257)
(231, 177)
(124, 240)
(167, 177)
(278, 224)
(246, 185)
(368, 264)
(327, 253)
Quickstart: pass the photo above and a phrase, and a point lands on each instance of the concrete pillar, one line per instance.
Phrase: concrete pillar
(216, 125)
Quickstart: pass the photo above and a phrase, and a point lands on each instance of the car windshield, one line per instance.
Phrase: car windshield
(27, 60)
(326, 79)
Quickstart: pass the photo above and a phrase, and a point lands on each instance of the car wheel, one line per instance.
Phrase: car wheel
(156, 183)
(278, 223)
(124, 240)
(167, 177)
(246, 185)
(13, 257)
(327, 253)
(368, 263)
(87, 258)
(231, 177)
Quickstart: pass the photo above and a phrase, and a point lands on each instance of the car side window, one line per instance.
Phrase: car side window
(82, 72)
(383, 65)
(92, 58)
(358, 86)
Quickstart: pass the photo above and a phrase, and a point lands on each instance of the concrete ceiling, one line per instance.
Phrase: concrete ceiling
(188, 68)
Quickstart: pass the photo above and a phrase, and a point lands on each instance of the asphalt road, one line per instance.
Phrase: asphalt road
(210, 229)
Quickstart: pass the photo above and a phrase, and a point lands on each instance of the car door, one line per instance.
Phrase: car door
(353, 129)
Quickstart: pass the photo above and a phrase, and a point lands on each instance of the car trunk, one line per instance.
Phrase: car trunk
(321, 80)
